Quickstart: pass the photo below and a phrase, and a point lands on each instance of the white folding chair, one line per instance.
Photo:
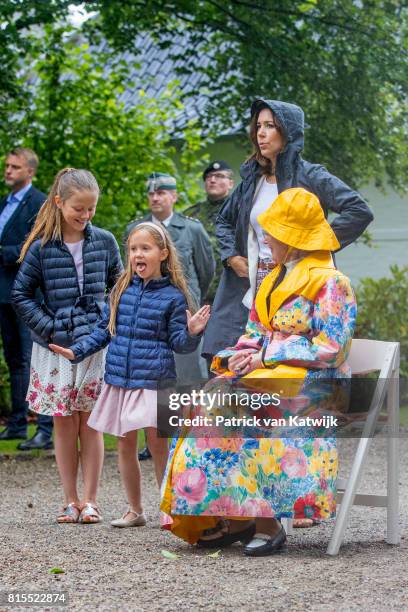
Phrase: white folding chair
(368, 356)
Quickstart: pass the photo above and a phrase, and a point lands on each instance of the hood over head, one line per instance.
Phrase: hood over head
(291, 118)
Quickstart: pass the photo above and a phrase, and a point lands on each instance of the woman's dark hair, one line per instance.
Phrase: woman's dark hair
(264, 162)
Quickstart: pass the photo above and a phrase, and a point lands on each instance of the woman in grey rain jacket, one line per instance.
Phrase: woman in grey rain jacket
(277, 133)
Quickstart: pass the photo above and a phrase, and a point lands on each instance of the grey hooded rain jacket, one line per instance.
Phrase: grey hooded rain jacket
(229, 315)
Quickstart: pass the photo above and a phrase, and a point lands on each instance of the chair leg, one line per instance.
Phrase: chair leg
(348, 497)
(393, 535)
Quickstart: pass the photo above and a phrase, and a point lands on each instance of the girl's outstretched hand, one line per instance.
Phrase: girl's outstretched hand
(65, 352)
(197, 322)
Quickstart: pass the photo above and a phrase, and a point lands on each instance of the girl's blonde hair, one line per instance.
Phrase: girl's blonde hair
(169, 267)
(48, 224)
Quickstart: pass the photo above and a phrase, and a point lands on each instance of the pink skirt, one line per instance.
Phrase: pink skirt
(119, 410)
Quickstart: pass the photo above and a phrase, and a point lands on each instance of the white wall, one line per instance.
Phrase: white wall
(389, 232)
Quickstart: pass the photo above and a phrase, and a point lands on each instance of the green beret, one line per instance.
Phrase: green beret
(160, 180)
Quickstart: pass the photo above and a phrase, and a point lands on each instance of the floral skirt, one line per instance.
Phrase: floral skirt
(58, 387)
(246, 478)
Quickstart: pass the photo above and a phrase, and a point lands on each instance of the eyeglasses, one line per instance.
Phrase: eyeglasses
(217, 175)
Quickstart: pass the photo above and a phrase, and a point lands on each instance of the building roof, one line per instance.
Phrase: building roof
(153, 66)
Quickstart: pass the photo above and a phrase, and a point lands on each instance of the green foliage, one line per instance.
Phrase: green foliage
(343, 61)
(16, 19)
(4, 384)
(72, 114)
(383, 310)
(75, 116)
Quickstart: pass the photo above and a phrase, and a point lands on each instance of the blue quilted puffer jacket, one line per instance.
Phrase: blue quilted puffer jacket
(64, 315)
(151, 323)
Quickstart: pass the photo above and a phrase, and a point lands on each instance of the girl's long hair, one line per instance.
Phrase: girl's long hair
(169, 267)
(265, 163)
(48, 224)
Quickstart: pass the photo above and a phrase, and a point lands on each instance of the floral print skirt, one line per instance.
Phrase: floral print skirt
(247, 477)
(58, 387)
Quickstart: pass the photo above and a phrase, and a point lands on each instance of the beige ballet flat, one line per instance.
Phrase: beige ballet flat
(138, 520)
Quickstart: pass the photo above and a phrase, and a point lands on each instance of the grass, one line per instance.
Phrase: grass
(404, 416)
(9, 447)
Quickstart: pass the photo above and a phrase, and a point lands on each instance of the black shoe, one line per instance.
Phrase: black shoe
(144, 454)
(39, 440)
(9, 434)
(263, 545)
(229, 538)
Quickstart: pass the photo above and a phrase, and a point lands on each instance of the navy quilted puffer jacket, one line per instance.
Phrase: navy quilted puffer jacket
(151, 323)
(64, 315)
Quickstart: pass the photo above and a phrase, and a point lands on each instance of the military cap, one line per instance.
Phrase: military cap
(160, 180)
(215, 166)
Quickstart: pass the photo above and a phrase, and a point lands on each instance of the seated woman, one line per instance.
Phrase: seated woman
(223, 490)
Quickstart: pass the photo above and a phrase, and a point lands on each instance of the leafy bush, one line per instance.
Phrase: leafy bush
(383, 311)
(4, 384)
(77, 114)
(74, 114)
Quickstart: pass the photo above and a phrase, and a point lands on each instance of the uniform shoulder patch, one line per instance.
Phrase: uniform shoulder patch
(135, 220)
(183, 214)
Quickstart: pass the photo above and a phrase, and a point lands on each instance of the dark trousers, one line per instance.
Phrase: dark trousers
(209, 362)
(191, 367)
(17, 352)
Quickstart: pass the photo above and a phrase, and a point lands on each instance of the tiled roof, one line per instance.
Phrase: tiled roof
(153, 68)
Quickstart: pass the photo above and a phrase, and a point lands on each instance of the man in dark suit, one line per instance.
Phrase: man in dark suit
(17, 215)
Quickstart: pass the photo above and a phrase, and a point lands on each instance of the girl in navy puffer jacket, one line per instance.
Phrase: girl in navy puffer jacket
(145, 321)
(73, 264)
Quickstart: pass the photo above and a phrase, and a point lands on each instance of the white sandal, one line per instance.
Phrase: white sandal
(90, 514)
(69, 514)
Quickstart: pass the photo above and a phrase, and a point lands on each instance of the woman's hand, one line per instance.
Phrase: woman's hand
(244, 361)
(197, 322)
(65, 352)
(239, 265)
(237, 361)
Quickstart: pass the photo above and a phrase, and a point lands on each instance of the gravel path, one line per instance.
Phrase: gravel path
(107, 569)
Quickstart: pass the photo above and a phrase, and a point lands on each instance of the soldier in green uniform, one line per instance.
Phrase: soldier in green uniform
(192, 242)
(218, 183)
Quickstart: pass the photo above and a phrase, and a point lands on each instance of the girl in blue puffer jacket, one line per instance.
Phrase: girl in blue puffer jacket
(146, 320)
(73, 264)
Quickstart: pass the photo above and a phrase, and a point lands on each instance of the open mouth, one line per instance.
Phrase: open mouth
(140, 267)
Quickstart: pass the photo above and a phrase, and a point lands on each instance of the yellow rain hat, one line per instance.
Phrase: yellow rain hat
(296, 218)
